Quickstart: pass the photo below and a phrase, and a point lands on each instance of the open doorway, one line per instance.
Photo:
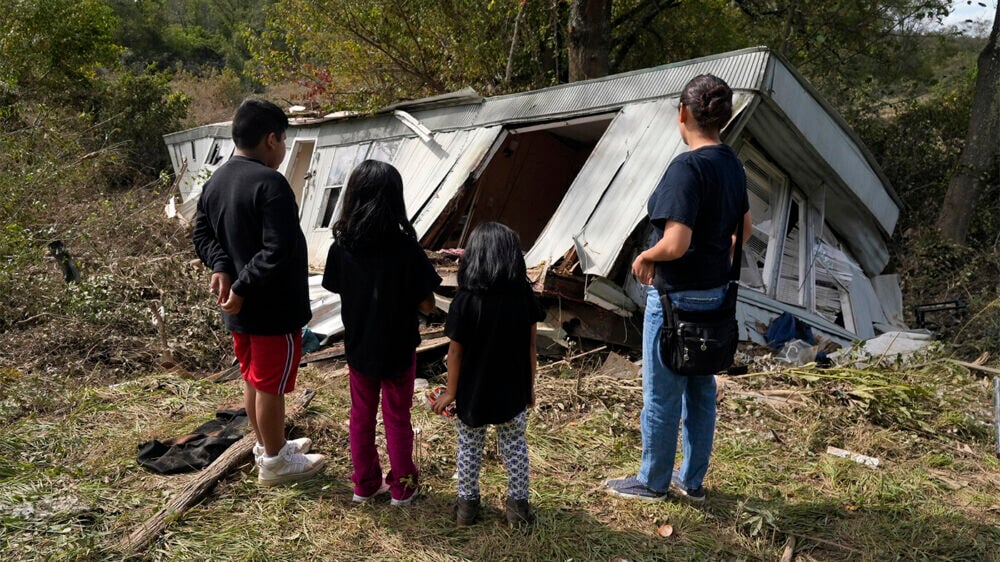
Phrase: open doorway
(298, 167)
(526, 178)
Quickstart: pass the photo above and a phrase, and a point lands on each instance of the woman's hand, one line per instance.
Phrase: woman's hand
(442, 402)
(643, 270)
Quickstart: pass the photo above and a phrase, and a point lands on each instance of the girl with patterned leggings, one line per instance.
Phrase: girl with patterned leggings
(491, 366)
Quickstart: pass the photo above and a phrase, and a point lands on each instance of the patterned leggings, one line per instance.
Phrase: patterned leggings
(513, 448)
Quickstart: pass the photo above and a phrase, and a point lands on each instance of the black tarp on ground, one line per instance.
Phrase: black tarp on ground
(197, 449)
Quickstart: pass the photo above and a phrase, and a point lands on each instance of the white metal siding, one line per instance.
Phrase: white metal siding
(477, 146)
(623, 205)
(834, 145)
(618, 141)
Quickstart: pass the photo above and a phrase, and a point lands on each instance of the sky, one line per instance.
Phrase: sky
(964, 10)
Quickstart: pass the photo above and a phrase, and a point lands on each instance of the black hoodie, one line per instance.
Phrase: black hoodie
(248, 226)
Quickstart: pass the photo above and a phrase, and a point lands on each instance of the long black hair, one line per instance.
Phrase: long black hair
(710, 100)
(374, 211)
(493, 260)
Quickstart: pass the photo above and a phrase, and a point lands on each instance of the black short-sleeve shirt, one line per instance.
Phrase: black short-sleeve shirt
(494, 329)
(705, 189)
(380, 289)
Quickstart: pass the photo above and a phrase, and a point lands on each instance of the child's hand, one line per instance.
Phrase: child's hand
(442, 402)
(219, 286)
(233, 304)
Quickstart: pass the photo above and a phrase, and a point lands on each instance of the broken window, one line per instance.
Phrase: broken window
(833, 280)
(755, 249)
(384, 151)
(345, 158)
(214, 154)
(768, 196)
(790, 284)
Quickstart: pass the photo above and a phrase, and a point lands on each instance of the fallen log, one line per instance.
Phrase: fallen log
(238, 454)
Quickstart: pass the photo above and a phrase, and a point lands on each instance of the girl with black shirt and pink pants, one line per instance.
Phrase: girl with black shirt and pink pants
(383, 278)
(491, 365)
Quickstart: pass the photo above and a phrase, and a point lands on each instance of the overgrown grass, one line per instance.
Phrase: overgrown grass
(936, 495)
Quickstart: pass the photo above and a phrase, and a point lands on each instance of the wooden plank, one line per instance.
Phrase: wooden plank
(434, 343)
(333, 352)
(224, 375)
(431, 340)
(584, 320)
(975, 367)
(237, 455)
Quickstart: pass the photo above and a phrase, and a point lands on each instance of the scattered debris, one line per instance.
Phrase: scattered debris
(856, 457)
(665, 530)
(50, 508)
(789, 554)
(569, 359)
(227, 374)
(616, 366)
(892, 347)
(71, 273)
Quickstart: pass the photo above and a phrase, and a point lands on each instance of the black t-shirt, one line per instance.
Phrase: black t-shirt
(494, 329)
(380, 289)
(705, 189)
(248, 226)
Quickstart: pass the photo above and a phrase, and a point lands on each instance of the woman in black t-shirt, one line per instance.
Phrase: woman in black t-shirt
(694, 212)
(491, 365)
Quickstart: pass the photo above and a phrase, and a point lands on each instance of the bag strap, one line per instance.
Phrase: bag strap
(734, 271)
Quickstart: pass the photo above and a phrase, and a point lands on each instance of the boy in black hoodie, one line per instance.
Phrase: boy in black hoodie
(247, 231)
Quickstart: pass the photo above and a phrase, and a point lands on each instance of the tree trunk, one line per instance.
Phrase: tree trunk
(589, 38)
(978, 164)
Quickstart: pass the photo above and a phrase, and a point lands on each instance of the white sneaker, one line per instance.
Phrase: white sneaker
(300, 445)
(287, 466)
(381, 490)
(407, 500)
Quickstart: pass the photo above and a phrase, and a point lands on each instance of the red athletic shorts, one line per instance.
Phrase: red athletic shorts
(269, 363)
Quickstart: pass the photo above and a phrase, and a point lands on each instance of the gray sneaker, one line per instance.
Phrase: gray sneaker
(287, 466)
(633, 489)
(692, 494)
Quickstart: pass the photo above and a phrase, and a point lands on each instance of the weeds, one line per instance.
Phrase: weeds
(935, 495)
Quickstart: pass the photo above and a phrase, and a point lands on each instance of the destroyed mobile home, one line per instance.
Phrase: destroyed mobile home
(570, 168)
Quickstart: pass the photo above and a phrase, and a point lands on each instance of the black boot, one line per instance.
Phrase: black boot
(466, 512)
(519, 513)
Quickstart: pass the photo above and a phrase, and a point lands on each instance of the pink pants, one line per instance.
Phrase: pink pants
(397, 398)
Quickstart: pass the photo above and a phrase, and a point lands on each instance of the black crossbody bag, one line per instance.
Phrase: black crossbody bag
(702, 343)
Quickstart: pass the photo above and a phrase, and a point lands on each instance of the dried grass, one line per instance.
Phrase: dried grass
(937, 494)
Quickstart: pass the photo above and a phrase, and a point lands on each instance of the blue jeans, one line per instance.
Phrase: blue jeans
(668, 398)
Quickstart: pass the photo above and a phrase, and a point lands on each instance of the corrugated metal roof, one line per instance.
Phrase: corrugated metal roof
(742, 70)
